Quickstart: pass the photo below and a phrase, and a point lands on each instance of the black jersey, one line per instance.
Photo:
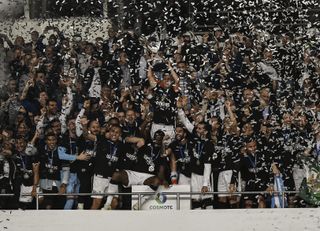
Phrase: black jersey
(201, 152)
(6, 174)
(146, 159)
(129, 160)
(227, 150)
(303, 140)
(164, 104)
(90, 147)
(131, 130)
(25, 167)
(152, 159)
(255, 171)
(109, 156)
(182, 155)
(283, 154)
(70, 144)
(50, 164)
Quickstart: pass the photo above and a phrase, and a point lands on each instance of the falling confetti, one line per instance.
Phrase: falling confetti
(247, 70)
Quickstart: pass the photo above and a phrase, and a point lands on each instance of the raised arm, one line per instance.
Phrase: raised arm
(32, 150)
(144, 128)
(41, 123)
(67, 102)
(151, 77)
(231, 114)
(68, 106)
(86, 107)
(183, 118)
(95, 88)
(26, 89)
(87, 135)
(36, 178)
(6, 38)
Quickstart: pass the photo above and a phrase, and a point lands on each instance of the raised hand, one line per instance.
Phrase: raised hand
(84, 121)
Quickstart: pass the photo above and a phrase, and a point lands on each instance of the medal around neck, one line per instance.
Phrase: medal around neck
(26, 176)
(151, 168)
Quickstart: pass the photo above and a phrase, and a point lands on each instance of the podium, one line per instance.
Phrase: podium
(160, 200)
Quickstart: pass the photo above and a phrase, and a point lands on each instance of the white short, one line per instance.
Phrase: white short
(27, 190)
(196, 186)
(224, 182)
(167, 129)
(100, 185)
(183, 180)
(136, 178)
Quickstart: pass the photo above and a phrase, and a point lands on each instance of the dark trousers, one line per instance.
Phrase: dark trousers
(85, 187)
(53, 202)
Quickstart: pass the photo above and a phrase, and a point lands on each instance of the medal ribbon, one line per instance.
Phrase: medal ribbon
(253, 164)
(73, 147)
(182, 150)
(153, 155)
(113, 149)
(23, 161)
(51, 159)
(200, 146)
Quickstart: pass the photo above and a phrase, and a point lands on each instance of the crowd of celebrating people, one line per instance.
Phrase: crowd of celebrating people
(223, 112)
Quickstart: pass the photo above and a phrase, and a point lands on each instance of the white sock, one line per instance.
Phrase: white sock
(80, 205)
(113, 188)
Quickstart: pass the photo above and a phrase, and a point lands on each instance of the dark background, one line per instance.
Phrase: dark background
(183, 15)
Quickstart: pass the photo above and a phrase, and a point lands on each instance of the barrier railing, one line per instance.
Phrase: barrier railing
(140, 194)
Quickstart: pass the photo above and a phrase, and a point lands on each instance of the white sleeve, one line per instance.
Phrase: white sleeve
(206, 174)
(68, 106)
(95, 88)
(142, 68)
(63, 121)
(222, 111)
(65, 111)
(78, 124)
(40, 125)
(83, 63)
(269, 70)
(185, 121)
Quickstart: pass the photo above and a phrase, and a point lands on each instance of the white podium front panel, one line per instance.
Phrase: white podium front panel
(159, 220)
(160, 200)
